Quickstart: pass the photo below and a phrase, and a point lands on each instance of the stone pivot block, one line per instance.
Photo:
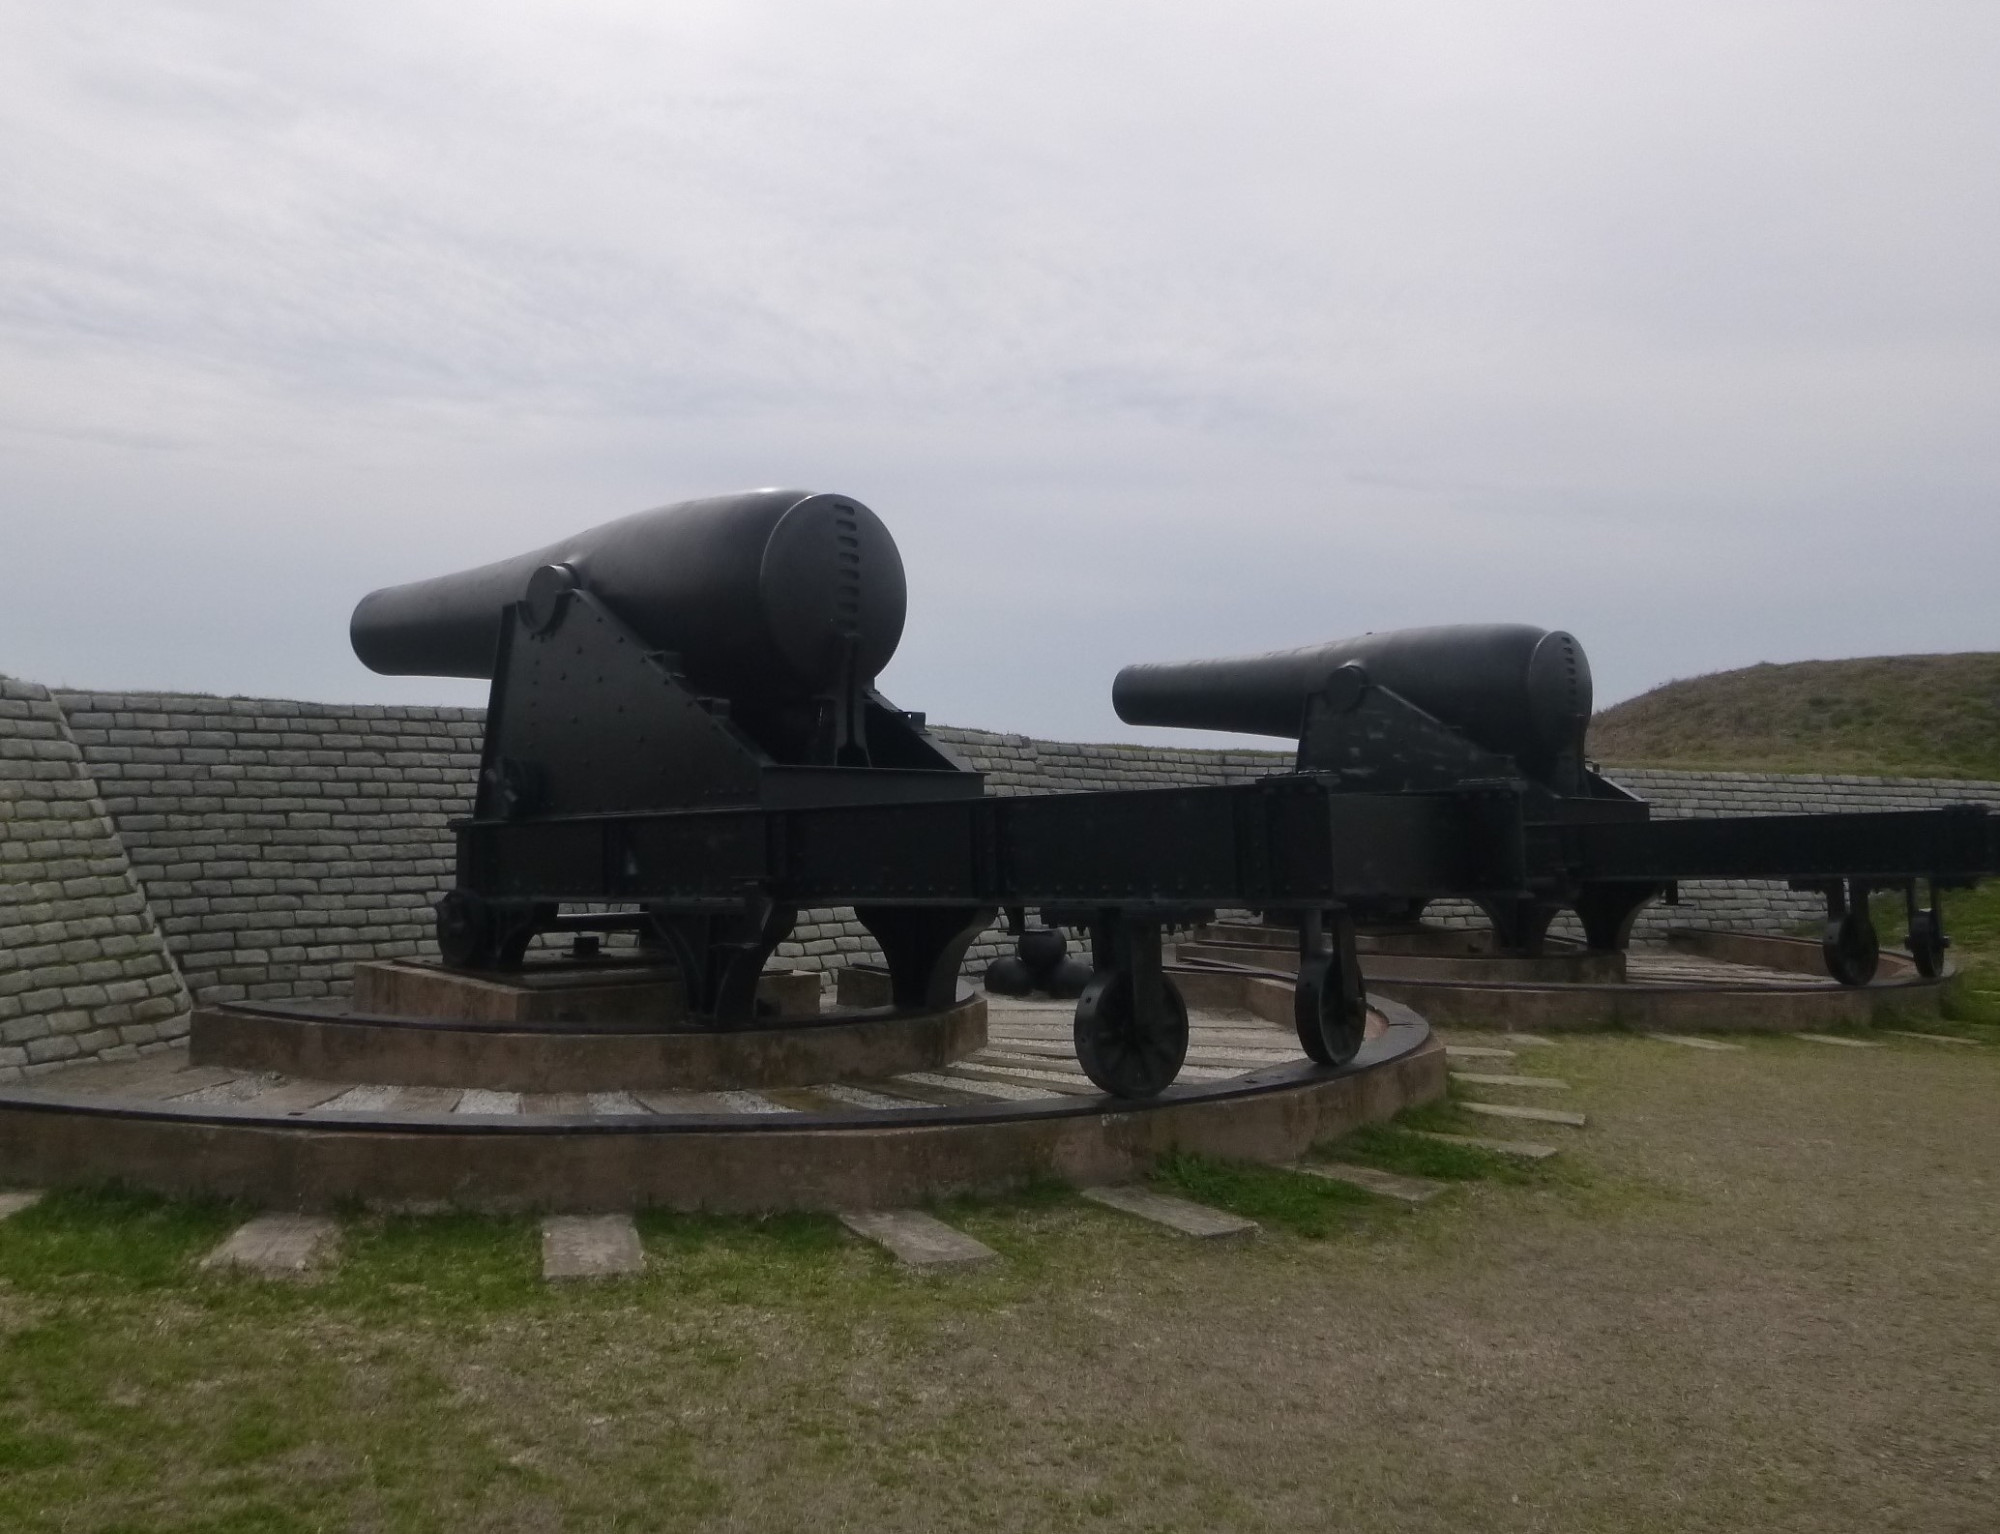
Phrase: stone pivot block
(1190, 1219)
(591, 1246)
(917, 1240)
(1524, 1150)
(1533, 1115)
(276, 1246)
(1488, 1079)
(1404, 1190)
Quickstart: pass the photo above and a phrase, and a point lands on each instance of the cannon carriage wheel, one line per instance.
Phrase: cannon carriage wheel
(1131, 1027)
(1849, 943)
(1329, 1007)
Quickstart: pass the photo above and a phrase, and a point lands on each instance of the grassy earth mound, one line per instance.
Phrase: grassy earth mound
(1902, 715)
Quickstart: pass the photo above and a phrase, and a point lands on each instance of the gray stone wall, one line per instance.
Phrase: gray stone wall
(279, 842)
(84, 973)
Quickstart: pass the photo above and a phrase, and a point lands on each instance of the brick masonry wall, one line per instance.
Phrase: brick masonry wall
(278, 842)
(84, 972)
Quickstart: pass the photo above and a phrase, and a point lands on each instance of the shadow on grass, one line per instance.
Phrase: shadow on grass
(1305, 1206)
(1397, 1148)
(111, 1239)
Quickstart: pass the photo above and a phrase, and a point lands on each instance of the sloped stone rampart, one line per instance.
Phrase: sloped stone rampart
(84, 973)
(279, 842)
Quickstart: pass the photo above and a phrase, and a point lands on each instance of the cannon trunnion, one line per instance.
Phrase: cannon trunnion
(684, 739)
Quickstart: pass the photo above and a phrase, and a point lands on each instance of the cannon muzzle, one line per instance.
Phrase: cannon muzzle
(765, 597)
(1509, 688)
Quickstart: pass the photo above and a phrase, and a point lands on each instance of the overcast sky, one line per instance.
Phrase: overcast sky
(1152, 330)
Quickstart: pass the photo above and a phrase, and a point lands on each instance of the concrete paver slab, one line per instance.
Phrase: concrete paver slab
(1931, 1038)
(750, 1102)
(1525, 1150)
(917, 1240)
(556, 1104)
(1476, 1052)
(861, 1097)
(425, 1099)
(276, 1245)
(195, 1078)
(12, 1204)
(1190, 1219)
(362, 1099)
(931, 1096)
(979, 1086)
(1404, 1190)
(479, 1100)
(612, 1103)
(1533, 1115)
(1071, 1083)
(297, 1096)
(1689, 1041)
(675, 1104)
(1487, 1079)
(1844, 1043)
(590, 1246)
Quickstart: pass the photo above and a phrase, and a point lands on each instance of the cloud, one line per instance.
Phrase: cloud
(1153, 330)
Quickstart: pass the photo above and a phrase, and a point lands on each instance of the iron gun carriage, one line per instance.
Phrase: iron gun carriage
(683, 723)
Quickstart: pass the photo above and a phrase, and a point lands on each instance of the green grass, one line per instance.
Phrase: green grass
(388, 1392)
(110, 1240)
(1393, 1148)
(1316, 1209)
(1972, 921)
(1310, 1207)
(1907, 715)
(1466, 1365)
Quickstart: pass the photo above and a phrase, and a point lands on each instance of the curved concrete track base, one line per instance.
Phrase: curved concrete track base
(1465, 955)
(322, 1042)
(1704, 982)
(1014, 1110)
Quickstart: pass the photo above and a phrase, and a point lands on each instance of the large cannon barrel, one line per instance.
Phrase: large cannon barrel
(1511, 688)
(769, 595)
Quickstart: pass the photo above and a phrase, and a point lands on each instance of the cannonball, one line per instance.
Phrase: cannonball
(1009, 977)
(1042, 949)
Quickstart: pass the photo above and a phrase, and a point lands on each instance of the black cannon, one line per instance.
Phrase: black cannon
(1416, 708)
(1430, 709)
(683, 738)
(719, 652)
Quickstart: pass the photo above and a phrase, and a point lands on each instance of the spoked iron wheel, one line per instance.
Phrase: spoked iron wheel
(1329, 1009)
(1851, 947)
(1123, 1054)
(1927, 943)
